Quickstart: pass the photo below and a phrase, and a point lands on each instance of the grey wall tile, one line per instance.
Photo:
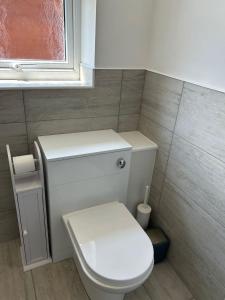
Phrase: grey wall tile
(200, 176)
(190, 225)
(103, 100)
(103, 123)
(36, 129)
(161, 136)
(134, 74)
(6, 194)
(15, 135)
(128, 122)
(157, 179)
(54, 104)
(201, 119)
(131, 93)
(156, 188)
(158, 134)
(154, 203)
(8, 225)
(131, 98)
(130, 108)
(11, 107)
(106, 74)
(197, 228)
(194, 272)
(161, 99)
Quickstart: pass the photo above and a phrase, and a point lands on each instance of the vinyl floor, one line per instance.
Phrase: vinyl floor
(61, 281)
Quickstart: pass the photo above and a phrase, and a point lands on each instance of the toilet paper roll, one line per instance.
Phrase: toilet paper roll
(23, 164)
(143, 215)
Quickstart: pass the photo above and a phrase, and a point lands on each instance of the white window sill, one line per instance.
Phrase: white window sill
(20, 84)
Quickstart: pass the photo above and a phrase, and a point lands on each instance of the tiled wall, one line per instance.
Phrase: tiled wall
(113, 103)
(188, 192)
(188, 188)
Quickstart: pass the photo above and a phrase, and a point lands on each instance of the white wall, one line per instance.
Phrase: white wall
(187, 41)
(88, 32)
(122, 33)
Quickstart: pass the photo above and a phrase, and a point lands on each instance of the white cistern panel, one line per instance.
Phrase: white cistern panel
(84, 180)
(142, 167)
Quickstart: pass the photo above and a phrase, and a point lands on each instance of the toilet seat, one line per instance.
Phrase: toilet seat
(112, 248)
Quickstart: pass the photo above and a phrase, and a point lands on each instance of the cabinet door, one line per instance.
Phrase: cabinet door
(32, 220)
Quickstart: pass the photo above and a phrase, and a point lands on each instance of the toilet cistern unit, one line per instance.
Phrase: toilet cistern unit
(87, 178)
(82, 170)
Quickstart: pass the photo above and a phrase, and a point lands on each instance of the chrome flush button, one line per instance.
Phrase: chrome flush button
(121, 163)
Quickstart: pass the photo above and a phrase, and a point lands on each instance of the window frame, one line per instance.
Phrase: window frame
(25, 69)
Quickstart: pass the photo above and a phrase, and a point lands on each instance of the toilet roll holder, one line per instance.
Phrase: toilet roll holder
(29, 195)
(31, 179)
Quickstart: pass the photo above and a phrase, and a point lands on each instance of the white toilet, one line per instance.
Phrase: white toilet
(89, 184)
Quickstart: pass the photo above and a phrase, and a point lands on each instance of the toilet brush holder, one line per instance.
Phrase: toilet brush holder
(143, 215)
(144, 210)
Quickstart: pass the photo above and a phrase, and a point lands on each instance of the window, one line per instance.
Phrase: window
(38, 40)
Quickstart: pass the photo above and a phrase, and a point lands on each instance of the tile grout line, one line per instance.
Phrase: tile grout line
(199, 148)
(67, 119)
(7, 123)
(149, 296)
(169, 152)
(142, 101)
(80, 281)
(178, 111)
(121, 88)
(164, 179)
(25, 116)
(35, 293)
(185, 198)
(157, 123)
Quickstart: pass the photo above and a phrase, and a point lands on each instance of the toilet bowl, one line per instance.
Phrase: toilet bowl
(112, 253)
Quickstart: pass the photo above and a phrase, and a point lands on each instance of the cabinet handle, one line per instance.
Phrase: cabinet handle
(25, 232)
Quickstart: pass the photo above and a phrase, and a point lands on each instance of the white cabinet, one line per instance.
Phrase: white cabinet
(31, 212)
(30, 203)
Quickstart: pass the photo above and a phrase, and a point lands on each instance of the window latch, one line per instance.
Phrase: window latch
(17, 68)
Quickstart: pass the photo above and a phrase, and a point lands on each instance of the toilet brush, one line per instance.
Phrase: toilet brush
(144, 210)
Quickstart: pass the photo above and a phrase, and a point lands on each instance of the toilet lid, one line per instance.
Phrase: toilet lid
(111, 242)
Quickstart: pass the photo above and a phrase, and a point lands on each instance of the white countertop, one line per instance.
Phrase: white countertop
(138, 141)
(65, 146)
